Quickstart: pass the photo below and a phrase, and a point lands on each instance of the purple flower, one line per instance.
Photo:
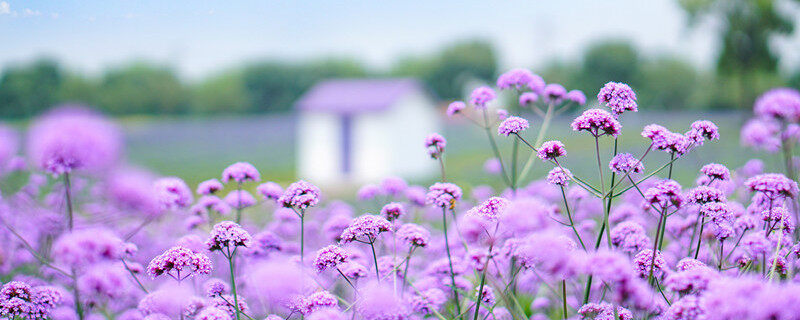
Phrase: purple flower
(718, 212)
(528, 98)
(435, 144)
(240, 172)
(705, 194)
(597, 122)
(491, 209)
(773, 185)
(554, 93)
(300, 195)
(270, 190)
(443, 195)
(215, 287)
(779, 103)
(618, 97)
(551, 150)
(701, 130)
(380, 303)
(481, 96)
(548, 252)
(624, 162)
(330, 257)
(688, 307)
(493, 166)
(577, 97)
(227, 235)
(173, 193)
(209, 187)
(716, 171)
(643, 262)
(213, 313)
(629, 237)
(316, 301)
(502, 114)
(603, 311)
(179, 263)
(365, 228)
(455, 107)
(517, 79)
(73, 137)
(9, 144)
(394, 186)
(368, 192)
(512, 125)
(559, 176)
(665, 193)
(761, 134)
(240, 199)
(18, 300)
(392, 211)
(428, 301)
(87, 246)
(414, 235)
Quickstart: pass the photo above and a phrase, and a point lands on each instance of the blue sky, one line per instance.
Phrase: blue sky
(201, 37)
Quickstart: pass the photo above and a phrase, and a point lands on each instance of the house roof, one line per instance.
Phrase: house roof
(356, 95)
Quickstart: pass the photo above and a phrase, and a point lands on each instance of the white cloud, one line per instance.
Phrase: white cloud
(55, 15)
(29, 13)
(5, 8)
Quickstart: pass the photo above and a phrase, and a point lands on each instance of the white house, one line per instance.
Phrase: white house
(362, 130)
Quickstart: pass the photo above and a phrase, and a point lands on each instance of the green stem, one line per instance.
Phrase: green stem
(700, 236)
(571, 222)
(539, 138)
(450, 261)
(375, 259)
(564, 297)
(68, 196)
(231, 256)
(496, 151)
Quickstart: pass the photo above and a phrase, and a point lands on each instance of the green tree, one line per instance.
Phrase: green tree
(610, 60)
(26, 90)
(77, 88)
(142, 88)
(668, 83)
(747, 28)
(224, 93)
(447, 72)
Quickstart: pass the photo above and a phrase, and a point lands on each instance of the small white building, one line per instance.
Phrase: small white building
(363, 130)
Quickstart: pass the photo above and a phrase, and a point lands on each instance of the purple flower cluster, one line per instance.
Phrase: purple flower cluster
(512, 125)
(597, 122)
(227, 235)
(443, 195)
(300, 195)
(179, 263)
(365, 228)
(559, 176)
(435, 144)
(624, 163)
(551, 150)
(482, 96)
(618, 97)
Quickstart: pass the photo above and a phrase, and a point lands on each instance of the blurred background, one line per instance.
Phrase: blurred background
(198, 85)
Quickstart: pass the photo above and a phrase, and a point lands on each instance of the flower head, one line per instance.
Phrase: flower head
(512, 125)
(665, 193)
(528, 98)
(491, 209)
(705, 194)
(624, 162)
(443, 195)
(365, 228)
(227, 235)
(701, 130)
(414, 235)
(392, 211)
(716, 171)
(173, 193)
(455, 107)
(554, 93)
(240, 172)
(517, 79)
(551, 150)
(779, 103)
(73, 137)
(618, 97)
(559, 176)
(330, 257)
(482, 96)
(180, 263)
(270, 190)
(435, 144)
(597, 122)
(577, 97)
(240, 199)
(773, 185)
(300, 195)
(643, 262)
(209, 187)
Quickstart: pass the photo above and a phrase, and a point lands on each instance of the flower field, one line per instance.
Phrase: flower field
(563, 205)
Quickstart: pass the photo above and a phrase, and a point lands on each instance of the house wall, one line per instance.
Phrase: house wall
(319, 147)
(392, 142)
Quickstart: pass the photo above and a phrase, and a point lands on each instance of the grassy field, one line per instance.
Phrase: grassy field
(197, 149)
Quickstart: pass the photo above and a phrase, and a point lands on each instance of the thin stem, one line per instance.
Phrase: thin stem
(239, 202)
(348, 280)
(141, 286)
(450, 261)
(539, 138)
(76, 295)
(514, 151)
(405, 272)
(68, 195)
(441, 167)
(302, 215)
(569, 215)
(375, 259)
(494, 147)
(564, 296)
(231, 256)
(700, 235)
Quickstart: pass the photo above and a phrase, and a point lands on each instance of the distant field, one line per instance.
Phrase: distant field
(197, 149)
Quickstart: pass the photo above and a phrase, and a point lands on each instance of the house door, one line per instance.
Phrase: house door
(347, 143)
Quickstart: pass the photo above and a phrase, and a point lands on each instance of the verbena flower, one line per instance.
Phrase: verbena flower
(517, 79)
(665, 193)
(551, 149)
(512, 125)
(428, 301)
(209, 187)
(212, 313)
(603, 311)
(643, 262)
(559, 176)
(365, 228)
(270, 190)
(491, 209)
(779, 103)
(716, 171)
(73, 137)
(773, 185)
(215, 287)
(330, 257)
(240, 199)
(392, 211)
(554, 93)
(623, 162)
(240, 172)
(228, 235)
(701, 130)
(443, 195)
(528, 98)
(300, 195)
(316, 301)
(705, 194)
(482, 96)
(597, 122)
(455, 107)
(761, 134)
(180, 263)
(435, 145)
(576, 96)
(618, 97)
(173, 193)
(414, 235)
(87, 246)
(629, 237)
